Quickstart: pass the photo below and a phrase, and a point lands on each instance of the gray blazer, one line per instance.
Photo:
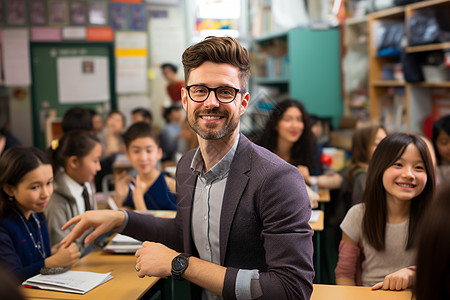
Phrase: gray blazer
(263, 224)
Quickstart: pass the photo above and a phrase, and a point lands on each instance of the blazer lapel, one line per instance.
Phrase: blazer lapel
(236, 183)
(186, 182)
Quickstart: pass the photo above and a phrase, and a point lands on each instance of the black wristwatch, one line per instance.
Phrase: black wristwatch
(179, 265)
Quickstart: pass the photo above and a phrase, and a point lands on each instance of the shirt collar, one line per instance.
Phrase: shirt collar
(219, 170)
(74, 187)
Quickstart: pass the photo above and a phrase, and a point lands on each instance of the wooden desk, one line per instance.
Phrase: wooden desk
(318, 226)
(324, 195)
(342, 292)
(125, 284)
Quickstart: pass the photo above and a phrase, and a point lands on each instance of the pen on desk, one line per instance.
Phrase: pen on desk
(31, 286)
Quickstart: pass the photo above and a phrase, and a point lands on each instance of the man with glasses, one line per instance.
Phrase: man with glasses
(241, 230)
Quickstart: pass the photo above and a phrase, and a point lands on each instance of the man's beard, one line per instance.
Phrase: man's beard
(210, 133)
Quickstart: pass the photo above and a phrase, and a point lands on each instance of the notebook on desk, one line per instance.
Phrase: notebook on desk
(77, 282)
(123, 244)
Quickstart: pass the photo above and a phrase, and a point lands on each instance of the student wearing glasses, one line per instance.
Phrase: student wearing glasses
(241, 229)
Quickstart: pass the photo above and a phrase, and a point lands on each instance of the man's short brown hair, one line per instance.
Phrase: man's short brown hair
(218, 50)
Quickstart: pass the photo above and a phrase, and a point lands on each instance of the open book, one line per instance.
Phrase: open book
(77, 282)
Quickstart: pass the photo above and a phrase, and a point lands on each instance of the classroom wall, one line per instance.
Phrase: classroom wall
(168, 21)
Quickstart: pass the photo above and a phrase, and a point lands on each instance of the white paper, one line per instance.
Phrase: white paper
(314, 216)
(77, 282)
(74, 33)
(289, 14)
(167, 32)
(123, 244)
(16, 57)
(124, 239)
(83, 79)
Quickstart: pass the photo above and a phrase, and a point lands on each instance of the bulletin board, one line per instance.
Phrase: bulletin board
(51, 80)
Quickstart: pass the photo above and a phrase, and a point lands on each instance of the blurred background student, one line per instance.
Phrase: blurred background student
(288, 134)
(151, 189)
(441, 143)
(115, 126)
(174, 84)
(97, 124)
(141, 114)
(364, 142)
(7, 140)
(26, 185)
(433, 253)
(169, 134)
(76, 161)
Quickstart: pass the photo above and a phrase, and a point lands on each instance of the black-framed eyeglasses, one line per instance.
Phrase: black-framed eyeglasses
(225, 94)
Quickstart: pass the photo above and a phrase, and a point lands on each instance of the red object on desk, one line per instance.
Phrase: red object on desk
(326, 159)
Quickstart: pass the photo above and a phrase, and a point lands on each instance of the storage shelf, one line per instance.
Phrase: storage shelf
(388, 83)
(355, 21)
(387, 13)
(271, 36)
(429, 47)
(428, 3)
(444, 84)
(271, 80)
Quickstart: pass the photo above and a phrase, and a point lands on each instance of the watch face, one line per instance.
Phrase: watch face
(178, 263)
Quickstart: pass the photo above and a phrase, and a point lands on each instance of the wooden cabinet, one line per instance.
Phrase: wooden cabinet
(398, 104)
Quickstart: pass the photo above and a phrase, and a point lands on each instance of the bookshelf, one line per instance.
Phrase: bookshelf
(399, 104)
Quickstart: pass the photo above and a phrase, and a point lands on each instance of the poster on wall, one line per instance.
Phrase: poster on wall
(83, 79)
(137, 17)
(78, 13)
(118, 16)
(131, 62)
(98, 13)
(16, 57)
(15, 12)
(37, 12)
(58, 12)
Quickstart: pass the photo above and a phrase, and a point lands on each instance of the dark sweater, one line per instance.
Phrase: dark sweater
(17, 251)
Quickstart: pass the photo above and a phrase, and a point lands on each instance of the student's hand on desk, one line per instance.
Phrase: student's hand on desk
(400, 280)
(101, 220)
(64, 257)
(154, 259)
(305, 173)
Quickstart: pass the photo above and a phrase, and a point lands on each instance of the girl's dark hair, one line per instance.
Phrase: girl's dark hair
(77, 118)
(77, 143)
(362, 140)
(433, 253)
(441, 124)
(139, 130)
(304, 151)
(15, 163)
(390, 149)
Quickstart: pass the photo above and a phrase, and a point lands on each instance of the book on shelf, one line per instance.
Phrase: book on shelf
(77, 282)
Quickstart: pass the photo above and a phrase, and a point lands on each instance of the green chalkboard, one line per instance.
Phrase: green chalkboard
(44, 89)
